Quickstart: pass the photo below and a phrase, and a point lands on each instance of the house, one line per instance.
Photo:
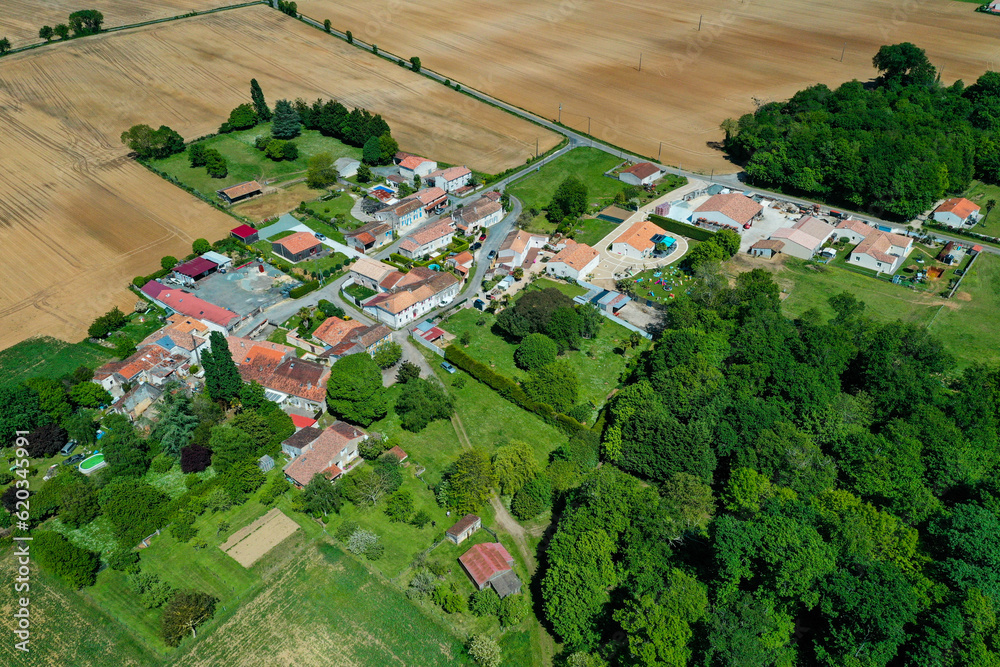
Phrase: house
(369, 236)
(299, 441)
(180, 339)
(615, 215)
(956, 212)
(346, 167)
(464, 528)
(854, 230)
(245, 233)
(993, 7)
(240, 192)
(411, 166)
(297, 246)
(331, 454)
(345, 337)
(196, 269)
(265, 463)
(181, 301)
(880, 251)
(450, 179)
(287, 380)
(151, 364)
(639, 241)
(805, 237)
(432, 198)
(487, 563)
(411, 295)
(462, 262)
(732, 209)
(370, 273)
(480, 214)
(574, 261)
(405, 213)
(137, 400)
(767, 248)
(219, 259)
(640, 173)
(517, 245)
(398, 452)
(428, 240)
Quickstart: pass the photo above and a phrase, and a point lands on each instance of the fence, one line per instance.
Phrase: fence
(965, 272)
(429, 345)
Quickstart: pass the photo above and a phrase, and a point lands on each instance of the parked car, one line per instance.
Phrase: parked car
(320, 236)
(482, 237)
(475, 246)
(448, 367)
(68, 449)
(73, 460)
(493, 253)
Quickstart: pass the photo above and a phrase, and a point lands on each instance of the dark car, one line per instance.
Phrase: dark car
(73, 460)
(493, 253)
(475, 246)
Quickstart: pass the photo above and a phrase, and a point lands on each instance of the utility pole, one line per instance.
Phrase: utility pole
(699, 22)
(560, 113)
(640, 61)
(658, 151)
(843, 51)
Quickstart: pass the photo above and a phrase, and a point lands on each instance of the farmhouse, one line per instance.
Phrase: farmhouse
(151, 364)
(639, 241)
(615, 215)
(137, 401)
(733, 209)
(464, 528)
(369, 236)
(767, 248)
(956, 212)
(880, 251)
(431, 198)
(480, 214)
(185, 303)
(411, 295)
(331, 454)
(450, 179)
(517, 245)
(574, 261)
(640, 173)
(428, 239)
(286, 379)
(370, 273)
(187, 339)
(344, 337)
(804, 238)
(245, 233)
(405, 213)
(490, 564)
(240, 192)
(411, 166)
(297, 247)
(462, 262)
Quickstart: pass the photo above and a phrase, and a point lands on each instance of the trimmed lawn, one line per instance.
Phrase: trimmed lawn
(811, 285)
(281, 235)
(591, 231)
(586, 163)
(327, 230)
(980, 193)
(48, 357)
(359, 292)
(332, 207)
(545, 283)
(967, 323)
(247, 163)
(678, 283)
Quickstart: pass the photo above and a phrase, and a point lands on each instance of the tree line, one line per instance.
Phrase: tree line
(783, 491)
(895, 145)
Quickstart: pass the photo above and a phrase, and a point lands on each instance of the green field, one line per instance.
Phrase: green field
(599, 373)
(566, 288)
(980, 193)
(587, 164)
(592, 230)
(967, 323)
(247, 163)
(48, 357)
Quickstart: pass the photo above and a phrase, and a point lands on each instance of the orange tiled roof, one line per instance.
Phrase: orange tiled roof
(298, 242)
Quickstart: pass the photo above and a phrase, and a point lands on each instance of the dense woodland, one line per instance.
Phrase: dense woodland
(785, 492)
(894, 145)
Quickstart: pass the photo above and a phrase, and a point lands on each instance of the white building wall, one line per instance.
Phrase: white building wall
(627, 250)
(948, 218)
(716, 216)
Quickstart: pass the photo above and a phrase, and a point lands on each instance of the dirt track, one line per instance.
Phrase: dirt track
(584, 54)
(80, 220)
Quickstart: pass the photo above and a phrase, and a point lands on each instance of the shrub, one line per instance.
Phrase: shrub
(375, 551)
(421, 519)
(535, 351)
(532, 499)
(75, 566)
(162, 464)
(484, 650)
(304, 289)
(124, 560)
(484, 603)
(513, 610)
(361, 541)
(195, 458)
(345, 530)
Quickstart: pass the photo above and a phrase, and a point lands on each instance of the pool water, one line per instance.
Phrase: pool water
(92, 462)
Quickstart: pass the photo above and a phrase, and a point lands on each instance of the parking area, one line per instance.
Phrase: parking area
(246, 290)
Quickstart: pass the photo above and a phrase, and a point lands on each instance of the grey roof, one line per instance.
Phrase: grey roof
(265, 463)
(506, 584)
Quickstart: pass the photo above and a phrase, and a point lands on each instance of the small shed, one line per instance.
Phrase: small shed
(265, 463)
(506, 583)
(240, 192)
(766, 248)
(398, 452)
(245, 233)
(465, 527)
(221, 260)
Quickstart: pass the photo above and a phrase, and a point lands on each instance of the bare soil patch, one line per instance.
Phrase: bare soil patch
(281, 201)
(249, 544)
(585, 54)
(80, 219)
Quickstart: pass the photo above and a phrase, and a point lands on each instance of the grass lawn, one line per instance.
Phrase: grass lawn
(48, 357)
(566, 288)
(811, 285)
(967, 323)
(980, 193)
(359, 292)
(678, 283)
(331, 261)
(247, 163)
(281, 235)
(586, 163)
(599, 374)
(332, 207)
(327, 230)
(591, 231)
(279, 335)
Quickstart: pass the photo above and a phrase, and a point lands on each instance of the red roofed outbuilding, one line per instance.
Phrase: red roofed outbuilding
(490, 564)
(245, 233)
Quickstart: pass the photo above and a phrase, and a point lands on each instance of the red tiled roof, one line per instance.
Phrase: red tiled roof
(243, 231)
(365, 238)
(302, 422)
(428, 196)
(734, 205)
(639, 236)
(485, 561)
(195, 267)
(334, 331)
(188, 304)
(346, 431)
(960, 206)
(576, 256)
(241, 189)
(411, 162)
(398, 452)
(768, 244)
(642, 170)
(298, 242)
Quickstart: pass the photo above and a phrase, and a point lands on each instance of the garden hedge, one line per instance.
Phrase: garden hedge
(690, 231)
(303, 289)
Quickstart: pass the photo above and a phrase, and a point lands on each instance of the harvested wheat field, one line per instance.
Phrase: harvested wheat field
(584, 54)
(21, 19)
(82, 219)
(249, 544)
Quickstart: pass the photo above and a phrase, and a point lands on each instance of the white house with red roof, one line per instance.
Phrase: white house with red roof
(412, 165)
(429, 239)
(732, 209)
(640, 174)
(574, 261)
(480, 214)
(403, 214)
(330, 452)
(956, 212)
(450, 179)
(882, 252)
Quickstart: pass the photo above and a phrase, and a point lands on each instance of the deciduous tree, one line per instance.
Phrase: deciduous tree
(184, 613)
(354, 390)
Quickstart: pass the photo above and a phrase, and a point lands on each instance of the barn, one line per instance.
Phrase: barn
(245, 233)
(197, 268)
(240, 192)
(297, 247)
